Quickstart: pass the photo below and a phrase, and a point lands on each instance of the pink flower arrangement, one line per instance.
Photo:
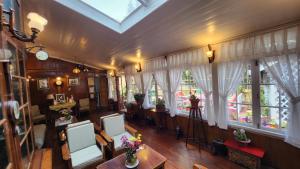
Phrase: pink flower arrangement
(131, 145)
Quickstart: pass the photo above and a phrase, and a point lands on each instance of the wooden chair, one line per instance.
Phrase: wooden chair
(84, 148)
(84, 105)
(114, 128)
(198, 166)
(36, 114)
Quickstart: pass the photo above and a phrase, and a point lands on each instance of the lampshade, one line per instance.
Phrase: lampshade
(209, 53)
(76, 70)
(41, 55)
(36, 21)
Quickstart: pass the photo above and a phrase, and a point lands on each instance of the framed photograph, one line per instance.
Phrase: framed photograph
(60, 98)
(43, 84)
(91, 90)
(91, 81)
(73, 81)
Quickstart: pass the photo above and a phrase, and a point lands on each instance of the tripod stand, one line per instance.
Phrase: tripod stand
(194, 117)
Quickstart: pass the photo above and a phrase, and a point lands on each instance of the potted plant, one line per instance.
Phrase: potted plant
(139, 98)
(160, 104)
(131, 146)
(241, 137)
(194, 100)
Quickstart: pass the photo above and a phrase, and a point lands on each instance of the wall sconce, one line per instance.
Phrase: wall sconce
(112, 73)
(58, 81)
(36, 24)
(210, 54)
(138, 67)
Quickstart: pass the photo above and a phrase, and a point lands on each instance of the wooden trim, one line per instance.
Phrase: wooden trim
(65, 152)
(131, 130)
(100, 140)
(106, 137)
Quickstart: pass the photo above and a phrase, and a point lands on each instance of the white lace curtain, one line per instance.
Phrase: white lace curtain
(162, 82)
(202, 75)
(283, 51)
(229, 77)
(175, 78)
(147, 79)
(112, 94)
(129, 96)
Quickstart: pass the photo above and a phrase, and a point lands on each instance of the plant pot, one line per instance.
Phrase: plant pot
(133, 162)
(160, 108)
(194, 103)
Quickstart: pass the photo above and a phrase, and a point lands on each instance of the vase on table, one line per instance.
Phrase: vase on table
(131, 161)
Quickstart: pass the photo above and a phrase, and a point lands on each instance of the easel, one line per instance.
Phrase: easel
(194, 117)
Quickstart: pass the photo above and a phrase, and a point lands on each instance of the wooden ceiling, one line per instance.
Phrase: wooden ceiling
(177, 25)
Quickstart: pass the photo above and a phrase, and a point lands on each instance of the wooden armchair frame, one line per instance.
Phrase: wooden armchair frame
(101, 143)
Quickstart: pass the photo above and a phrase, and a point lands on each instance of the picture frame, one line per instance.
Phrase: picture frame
(61, 98)
(43, 84)
(73, 81)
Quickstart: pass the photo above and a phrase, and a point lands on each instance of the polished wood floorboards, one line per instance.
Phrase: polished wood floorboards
(163, 141)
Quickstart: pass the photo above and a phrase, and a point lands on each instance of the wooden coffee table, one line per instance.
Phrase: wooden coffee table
(149, 159)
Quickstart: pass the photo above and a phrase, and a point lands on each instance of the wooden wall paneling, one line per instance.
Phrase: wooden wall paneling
(103, 91)
(53, 68)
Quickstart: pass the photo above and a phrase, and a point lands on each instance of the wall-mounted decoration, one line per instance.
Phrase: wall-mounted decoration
(60, 98)
(73, 81)
(91, 89)
(43, 84)
(58, 81)
(91, 81)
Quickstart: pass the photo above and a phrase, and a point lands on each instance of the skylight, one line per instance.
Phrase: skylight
(118, 15)
(116, 9)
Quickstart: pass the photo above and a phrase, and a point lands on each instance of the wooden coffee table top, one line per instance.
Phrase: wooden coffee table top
(149, 159)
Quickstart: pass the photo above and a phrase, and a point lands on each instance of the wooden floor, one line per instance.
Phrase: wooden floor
(179, 157)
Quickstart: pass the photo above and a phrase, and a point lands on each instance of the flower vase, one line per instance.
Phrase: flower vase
(132, 161)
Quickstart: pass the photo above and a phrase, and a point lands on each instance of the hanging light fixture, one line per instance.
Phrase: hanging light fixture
(138, 67)
(210, 54)
(85, 68)
(76, 69)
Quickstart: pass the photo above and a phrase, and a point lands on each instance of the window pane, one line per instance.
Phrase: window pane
(16, 90)
(269, 95)
(188, 86)
(244, 94)
(240, 113)
(116, 9)
(284, 118)
(3, 155)
(151, 93)
(270, 117)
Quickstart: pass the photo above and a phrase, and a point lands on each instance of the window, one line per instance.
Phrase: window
(116, 9)
(273, 103)
(132, 89)
(240, 102)
(154, 93)
(186, 87)
(122, 88)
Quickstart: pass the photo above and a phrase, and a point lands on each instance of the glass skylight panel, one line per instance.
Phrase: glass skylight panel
(115, 9)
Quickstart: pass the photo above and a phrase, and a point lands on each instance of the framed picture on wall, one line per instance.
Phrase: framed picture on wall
(43, 84)
(73, 81)
(60, 98)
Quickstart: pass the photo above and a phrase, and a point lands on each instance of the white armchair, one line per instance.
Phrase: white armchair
(81, 150)
(36, 114)
(114, 129)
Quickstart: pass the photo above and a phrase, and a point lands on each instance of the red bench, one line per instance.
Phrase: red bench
(248, 156)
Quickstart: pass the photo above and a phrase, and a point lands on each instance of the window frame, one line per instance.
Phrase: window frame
(256, 126)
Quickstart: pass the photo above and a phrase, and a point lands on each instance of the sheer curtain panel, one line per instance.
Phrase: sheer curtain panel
(147, 78)
(162, 82)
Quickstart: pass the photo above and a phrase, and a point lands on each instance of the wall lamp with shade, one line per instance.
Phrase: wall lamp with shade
(112, 73)
(58, 81)
(36, 24)
(41, 54)
(138, 67)
(210, 54)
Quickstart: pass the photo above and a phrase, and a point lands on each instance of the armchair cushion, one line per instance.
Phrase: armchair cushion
(118, 142)
(114, 125)
(35, 110)
(80, 137)
(85, 157)
(39, 135)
